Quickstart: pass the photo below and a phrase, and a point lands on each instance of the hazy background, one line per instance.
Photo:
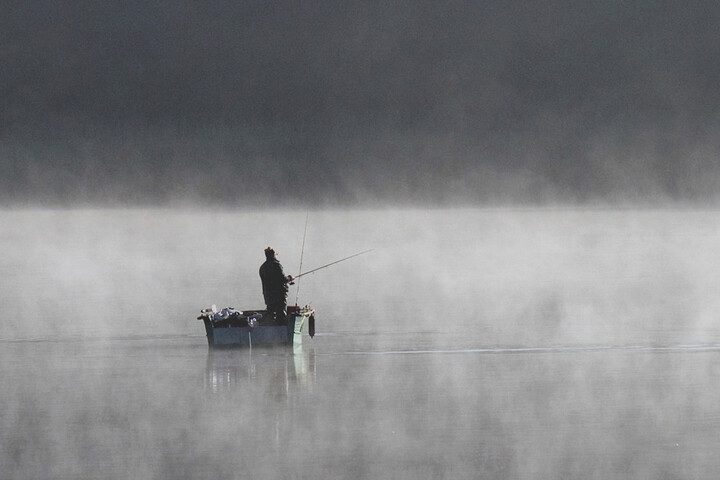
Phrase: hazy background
(523, 277)
(257, 102)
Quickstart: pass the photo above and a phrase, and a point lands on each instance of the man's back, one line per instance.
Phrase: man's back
(272, 277)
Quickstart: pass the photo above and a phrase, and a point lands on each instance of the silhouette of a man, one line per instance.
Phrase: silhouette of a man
(275, 286)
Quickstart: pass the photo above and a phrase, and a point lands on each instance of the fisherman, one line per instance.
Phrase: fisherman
(275, 286)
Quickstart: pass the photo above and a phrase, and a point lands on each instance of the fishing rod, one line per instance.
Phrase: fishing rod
(302, 253)
(329, 264)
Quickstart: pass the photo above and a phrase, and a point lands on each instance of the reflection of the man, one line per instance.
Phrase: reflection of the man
(282, 370)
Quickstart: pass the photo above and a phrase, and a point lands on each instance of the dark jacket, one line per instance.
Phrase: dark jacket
(274, 282)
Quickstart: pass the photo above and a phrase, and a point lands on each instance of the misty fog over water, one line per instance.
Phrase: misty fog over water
(518, 343)
(519, 277)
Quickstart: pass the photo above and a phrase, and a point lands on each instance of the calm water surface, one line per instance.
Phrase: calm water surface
(469, 344)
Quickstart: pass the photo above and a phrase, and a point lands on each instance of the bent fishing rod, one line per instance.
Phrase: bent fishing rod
(329, 264)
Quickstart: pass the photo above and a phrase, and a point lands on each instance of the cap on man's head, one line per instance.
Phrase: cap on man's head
(269, 252)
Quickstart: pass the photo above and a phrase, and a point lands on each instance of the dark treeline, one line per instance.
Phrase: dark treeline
(407, 101)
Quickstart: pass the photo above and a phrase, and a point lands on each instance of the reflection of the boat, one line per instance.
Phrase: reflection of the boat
(282, 369)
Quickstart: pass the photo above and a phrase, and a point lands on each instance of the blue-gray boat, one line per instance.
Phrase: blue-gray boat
(247, 328)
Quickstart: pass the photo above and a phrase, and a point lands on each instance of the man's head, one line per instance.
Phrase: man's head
(269, 253)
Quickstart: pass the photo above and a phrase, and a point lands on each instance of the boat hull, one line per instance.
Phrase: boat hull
(238, 332)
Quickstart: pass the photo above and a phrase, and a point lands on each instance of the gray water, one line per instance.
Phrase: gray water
(467, 344)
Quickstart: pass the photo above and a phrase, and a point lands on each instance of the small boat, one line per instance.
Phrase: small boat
(246, 328)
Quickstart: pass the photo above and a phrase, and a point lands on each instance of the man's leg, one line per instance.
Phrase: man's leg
(279, 312)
